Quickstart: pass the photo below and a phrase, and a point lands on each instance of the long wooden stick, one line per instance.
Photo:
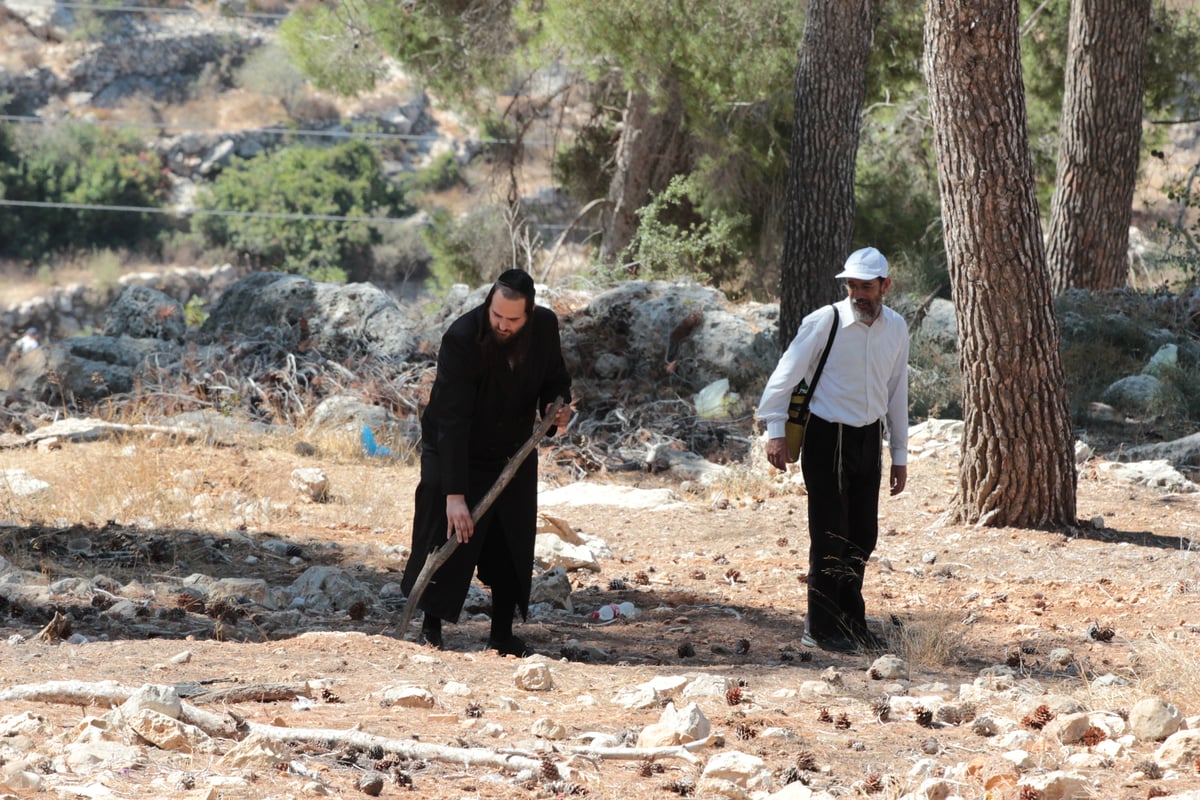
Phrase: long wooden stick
(437, 558)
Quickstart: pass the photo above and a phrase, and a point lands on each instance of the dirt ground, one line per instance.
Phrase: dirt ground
(718, 581)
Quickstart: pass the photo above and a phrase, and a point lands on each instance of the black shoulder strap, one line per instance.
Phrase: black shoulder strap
(825, 355)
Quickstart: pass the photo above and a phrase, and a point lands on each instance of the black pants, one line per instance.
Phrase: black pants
(842, 468)
(489, 552)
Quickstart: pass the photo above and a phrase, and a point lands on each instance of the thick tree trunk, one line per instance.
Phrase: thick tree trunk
(1101, 133)
(830, 87)
(1018, 465)
(654, 147)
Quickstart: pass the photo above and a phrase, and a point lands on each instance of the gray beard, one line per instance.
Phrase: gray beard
(864, 316)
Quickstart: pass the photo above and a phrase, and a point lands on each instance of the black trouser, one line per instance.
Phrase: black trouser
(842, 468)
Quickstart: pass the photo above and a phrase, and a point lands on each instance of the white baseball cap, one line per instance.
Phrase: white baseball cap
(866, 264)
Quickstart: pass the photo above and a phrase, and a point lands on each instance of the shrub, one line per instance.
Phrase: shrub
(342, 180)
(470, 249)
(78, 164)
(675, 239)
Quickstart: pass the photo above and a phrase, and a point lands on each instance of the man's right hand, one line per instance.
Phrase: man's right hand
(458, 518)
(777, 452)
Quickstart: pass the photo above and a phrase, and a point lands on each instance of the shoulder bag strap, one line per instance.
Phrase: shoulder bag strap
(825, 355)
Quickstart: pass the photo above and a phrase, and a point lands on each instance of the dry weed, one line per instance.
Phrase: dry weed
(934, 640)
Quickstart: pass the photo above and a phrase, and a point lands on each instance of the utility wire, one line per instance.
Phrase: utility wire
(18, 119)
(215, 212)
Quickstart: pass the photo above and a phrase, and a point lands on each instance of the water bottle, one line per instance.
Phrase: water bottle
(607, 613)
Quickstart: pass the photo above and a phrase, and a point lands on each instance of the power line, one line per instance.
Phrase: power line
(215, 212)
(412, 137)
(19, 119)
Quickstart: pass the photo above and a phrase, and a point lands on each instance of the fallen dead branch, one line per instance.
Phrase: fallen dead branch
(233, 726)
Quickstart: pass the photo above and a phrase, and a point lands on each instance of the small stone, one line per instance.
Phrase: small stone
(370, 783)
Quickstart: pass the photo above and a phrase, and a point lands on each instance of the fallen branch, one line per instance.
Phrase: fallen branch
(681, 751)
(256, 693)
(437, 558)
(233, 726)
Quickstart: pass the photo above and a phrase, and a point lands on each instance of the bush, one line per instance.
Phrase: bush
(78, 164)
(471, 249)
(343, 180)
(676, 240)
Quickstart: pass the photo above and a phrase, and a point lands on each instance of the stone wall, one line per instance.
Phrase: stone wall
(65, 311)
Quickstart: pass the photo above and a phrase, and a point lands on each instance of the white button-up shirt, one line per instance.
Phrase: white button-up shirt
(865, 378)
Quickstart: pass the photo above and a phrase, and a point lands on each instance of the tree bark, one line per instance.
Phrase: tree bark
(1100, 139)
(1018, 466)
(830, 87)
(653, 148)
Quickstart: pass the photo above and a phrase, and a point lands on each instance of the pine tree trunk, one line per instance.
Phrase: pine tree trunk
(830, 86)
(1018, 466)
(1101, 133)
(654, 147)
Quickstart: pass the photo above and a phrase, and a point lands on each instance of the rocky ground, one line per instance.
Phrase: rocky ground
(1021, 661)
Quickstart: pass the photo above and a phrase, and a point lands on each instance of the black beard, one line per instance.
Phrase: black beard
(505, 352)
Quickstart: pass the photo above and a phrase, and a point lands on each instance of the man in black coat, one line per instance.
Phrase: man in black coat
(499, 364)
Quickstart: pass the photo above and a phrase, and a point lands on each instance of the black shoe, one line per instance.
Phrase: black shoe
(512, 646)
(431, 633)
(832, 644)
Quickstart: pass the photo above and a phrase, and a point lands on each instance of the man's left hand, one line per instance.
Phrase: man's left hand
(899, 478)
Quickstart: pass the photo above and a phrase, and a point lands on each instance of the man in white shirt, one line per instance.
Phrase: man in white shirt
(861, 398)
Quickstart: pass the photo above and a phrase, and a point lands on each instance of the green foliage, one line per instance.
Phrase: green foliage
(342, 180)
(582, 165)
(194, 313)
(470, 249)
(438, 175)
(674, 240)
(78, 164)
(96, 20)
(327, 44)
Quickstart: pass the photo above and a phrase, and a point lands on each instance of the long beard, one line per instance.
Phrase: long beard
(505, 351)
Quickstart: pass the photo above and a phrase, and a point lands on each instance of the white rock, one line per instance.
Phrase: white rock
(151, 697)
(887, 668)
(20, 483)
(546, 728)
(733, 773)
(1020, 758)
(533, 677)
(166, 733)
(83, 758)
(1180, 749)
(312, 482)
(255, 751)
(549, 552)
(669, 686)
(1152, 719)
(406, 697)
(640, 696)
(456, 689)
(1060, 785)
(705, 685)
(658, 734)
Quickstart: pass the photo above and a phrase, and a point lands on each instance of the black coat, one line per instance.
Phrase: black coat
(479, 415)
